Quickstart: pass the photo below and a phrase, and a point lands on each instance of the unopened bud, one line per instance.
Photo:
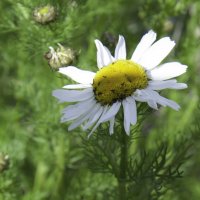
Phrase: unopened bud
(168, 25)
(4, 162)
(44, 14)
(60, 57)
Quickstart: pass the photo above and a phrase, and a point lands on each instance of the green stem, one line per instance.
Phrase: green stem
(123, 167)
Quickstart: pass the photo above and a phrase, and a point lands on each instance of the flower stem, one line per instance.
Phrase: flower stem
(123, 166)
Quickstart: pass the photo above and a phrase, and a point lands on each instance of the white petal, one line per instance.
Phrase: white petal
(120, 50)
(167, 71)
(105, 108)
(77, 86)
(74, 111)
(160, 85)
(81, 119)
(143, 97)
(75, 124)
(153, 95)
(146, 41)
(169, 84)
(103, 55)
(172, 104)
(133, 109)
(127, 116)
(73, 95)
(112, 123)
(167, 102)
(179, 86)
(97, 112)
(139, 96)
(156, 53)
(149, 94)
(112, 111)
(152, 98)
(78, 75)
(107, 114)
(152, 104)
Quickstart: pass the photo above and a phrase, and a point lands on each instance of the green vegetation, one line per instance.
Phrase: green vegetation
(46, 162)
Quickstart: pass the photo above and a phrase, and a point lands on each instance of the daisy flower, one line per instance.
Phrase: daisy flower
(120, 82)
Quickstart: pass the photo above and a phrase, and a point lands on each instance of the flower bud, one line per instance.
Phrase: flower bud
(60, 57)
(168, 25)
(44, 14)
(4, 162)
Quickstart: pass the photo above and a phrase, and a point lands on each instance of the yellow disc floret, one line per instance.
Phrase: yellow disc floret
(118, 80)
(44, 10)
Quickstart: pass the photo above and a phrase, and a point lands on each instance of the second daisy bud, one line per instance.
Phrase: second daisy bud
(4, 162)
(44, 14)
(60, 57)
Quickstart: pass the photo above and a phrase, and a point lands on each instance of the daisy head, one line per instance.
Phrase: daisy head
(120, 82)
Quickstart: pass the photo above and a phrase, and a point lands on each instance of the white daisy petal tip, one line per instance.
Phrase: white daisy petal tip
(154, 54)
(150, 35)
(127, 116)
(184, 66)
(176, 107)
(144, 44)
(166, 84)
(153, 104)
(104, 56)
(184, 86)
(173, 42)
(179, 86)
(167, 71)
(98, 43)
(169, 40)
(120, 50)
(152, 32)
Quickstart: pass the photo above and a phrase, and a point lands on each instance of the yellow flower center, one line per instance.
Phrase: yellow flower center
(44, 10)
(118, 80)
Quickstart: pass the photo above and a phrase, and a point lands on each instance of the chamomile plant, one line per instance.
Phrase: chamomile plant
(120, 82)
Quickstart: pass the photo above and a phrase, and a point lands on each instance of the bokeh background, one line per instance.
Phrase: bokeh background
(46, 162)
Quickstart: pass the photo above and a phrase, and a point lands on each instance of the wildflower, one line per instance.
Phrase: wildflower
(120, 82)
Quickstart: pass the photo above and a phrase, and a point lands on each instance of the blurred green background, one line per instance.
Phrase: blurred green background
(46, 162)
